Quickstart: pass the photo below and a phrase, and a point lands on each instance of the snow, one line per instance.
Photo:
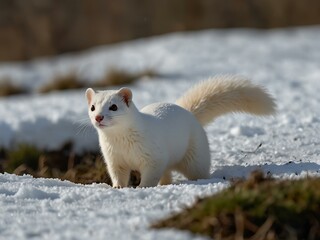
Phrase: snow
(53, 209)
(287, 145)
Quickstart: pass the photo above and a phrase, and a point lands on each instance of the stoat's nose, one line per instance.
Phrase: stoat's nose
(99, 118)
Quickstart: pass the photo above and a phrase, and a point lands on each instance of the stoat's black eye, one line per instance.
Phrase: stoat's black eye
(92, 108)
(113, 107)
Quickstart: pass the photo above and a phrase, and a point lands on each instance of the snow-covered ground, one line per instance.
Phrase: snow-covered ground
(285, 61)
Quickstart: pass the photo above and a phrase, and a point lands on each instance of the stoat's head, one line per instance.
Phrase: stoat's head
(109, 109)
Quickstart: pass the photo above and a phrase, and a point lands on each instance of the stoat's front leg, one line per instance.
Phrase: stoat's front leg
(119, 174)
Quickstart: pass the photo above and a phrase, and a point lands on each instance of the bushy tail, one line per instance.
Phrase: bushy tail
(226, 94)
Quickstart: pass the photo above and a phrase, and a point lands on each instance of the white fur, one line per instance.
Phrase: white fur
(226, 94)
(163, 137)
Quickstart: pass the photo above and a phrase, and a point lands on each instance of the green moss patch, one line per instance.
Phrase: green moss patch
(258, 208)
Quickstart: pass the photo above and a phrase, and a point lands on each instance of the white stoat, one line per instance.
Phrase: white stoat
(165, 137)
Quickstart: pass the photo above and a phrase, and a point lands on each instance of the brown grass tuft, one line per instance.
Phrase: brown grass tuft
(120, 77)
(8, 89)
(63, 82)
(64, 164)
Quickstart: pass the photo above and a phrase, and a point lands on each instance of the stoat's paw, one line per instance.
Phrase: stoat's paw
(117, 187)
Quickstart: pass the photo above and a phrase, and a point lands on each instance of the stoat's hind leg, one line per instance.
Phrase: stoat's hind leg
(151, 173)
(196, 163)
(166, 178)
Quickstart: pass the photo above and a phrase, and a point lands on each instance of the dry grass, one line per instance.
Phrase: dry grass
(8, 89)
(116, 77)
(63, 164)
(63, 82)
(68, 81)
(259, 208)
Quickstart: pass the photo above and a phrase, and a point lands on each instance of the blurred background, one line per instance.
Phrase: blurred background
(35, 28)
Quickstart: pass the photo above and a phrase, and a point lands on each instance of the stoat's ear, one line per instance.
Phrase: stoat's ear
(126, 94)
(89, 95)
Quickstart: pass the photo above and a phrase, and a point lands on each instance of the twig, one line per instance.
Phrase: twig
(263, 230)
(239, 221)
(251, 152)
